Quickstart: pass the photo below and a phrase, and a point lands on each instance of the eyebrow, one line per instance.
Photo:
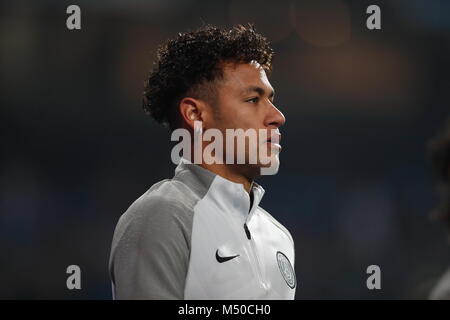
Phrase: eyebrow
(260, 91)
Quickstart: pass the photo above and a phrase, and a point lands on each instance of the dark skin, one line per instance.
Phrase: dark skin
(244, 100)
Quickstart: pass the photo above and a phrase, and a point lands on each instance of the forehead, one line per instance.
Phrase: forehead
(240, 76)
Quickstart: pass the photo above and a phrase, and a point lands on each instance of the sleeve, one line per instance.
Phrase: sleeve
(150, 251)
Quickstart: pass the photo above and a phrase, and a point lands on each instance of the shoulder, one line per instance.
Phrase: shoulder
(170, 197)
(167, 207)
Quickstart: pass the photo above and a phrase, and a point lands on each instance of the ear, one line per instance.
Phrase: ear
(191, 110)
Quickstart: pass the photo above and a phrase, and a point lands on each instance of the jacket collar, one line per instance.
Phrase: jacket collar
(223, 192)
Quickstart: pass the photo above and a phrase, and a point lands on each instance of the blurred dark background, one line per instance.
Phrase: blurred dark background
(354, 187)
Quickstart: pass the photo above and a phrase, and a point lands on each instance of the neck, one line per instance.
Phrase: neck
(229, 172)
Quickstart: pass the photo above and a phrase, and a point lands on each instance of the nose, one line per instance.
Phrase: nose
(275, 117)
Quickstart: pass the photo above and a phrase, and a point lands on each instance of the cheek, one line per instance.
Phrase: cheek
(239, 115)
(228, 115)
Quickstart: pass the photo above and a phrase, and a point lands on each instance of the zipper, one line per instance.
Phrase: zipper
(258, 263)
(247, 232)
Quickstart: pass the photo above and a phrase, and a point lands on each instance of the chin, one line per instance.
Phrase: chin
(271, 168)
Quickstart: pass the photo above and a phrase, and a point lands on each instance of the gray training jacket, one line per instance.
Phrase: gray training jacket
(196, 237)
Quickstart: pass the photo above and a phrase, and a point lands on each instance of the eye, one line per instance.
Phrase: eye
(253, 100)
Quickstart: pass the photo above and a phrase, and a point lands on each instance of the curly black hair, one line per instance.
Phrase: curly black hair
(190, 63)
(439, 152)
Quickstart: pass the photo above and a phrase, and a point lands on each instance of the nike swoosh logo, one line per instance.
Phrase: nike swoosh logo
(224, 259)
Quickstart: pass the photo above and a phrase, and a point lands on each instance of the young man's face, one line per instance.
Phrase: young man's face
(245, 101)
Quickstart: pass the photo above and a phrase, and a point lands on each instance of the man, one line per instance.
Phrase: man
(440, 157)
(202, 234)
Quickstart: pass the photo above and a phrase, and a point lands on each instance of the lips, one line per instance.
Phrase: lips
(275, 145)
(274, 136)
